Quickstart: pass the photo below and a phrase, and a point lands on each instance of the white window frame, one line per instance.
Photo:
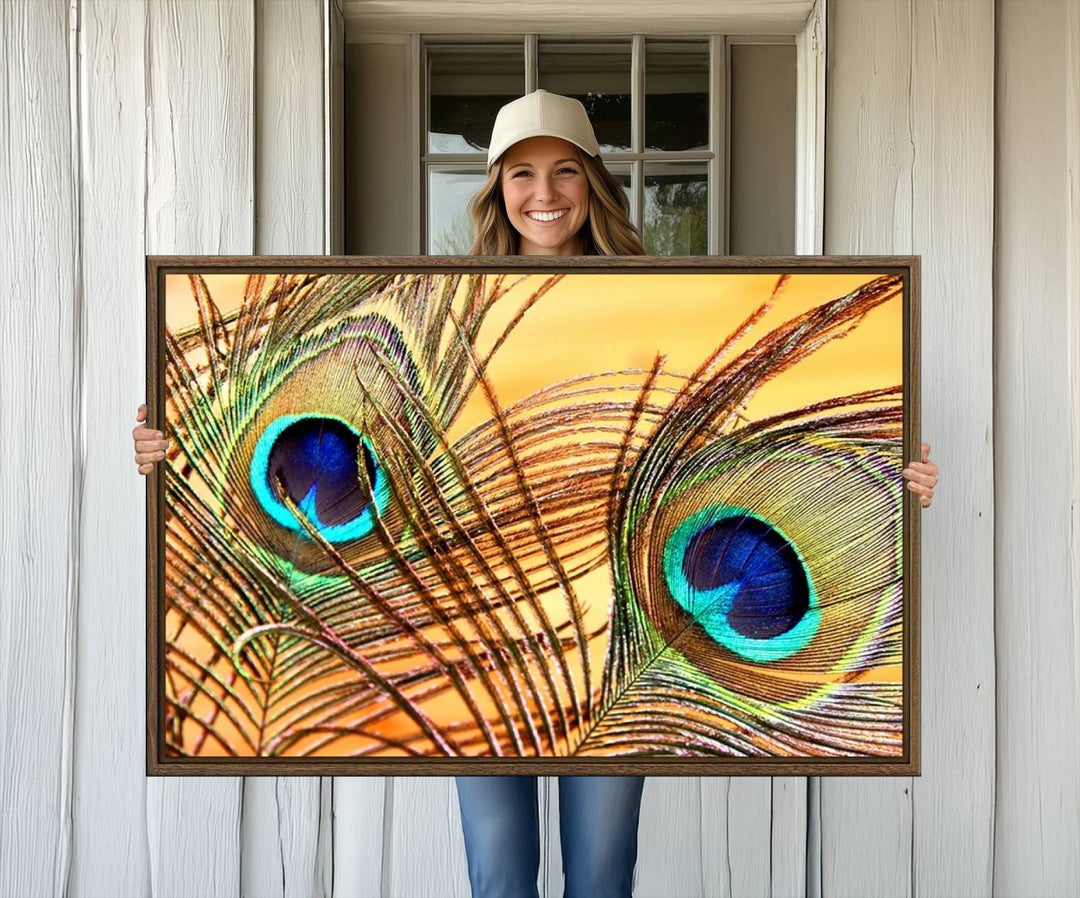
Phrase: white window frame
(809, 42)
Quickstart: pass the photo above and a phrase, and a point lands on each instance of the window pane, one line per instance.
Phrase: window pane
(466, 86)
(676, 95)
(450, 231)
(597, 74)
(676, 209)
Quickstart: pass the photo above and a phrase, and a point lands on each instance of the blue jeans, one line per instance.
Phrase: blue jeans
(598, 820)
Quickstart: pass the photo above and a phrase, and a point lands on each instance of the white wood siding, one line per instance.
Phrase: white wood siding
(134, 127)
(1037, 307)
(285, 849)
(109, 822)
(199, 196)
(909, 153)
(40, 452)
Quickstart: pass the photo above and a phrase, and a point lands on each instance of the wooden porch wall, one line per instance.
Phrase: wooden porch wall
(181, 127)
(909, 149)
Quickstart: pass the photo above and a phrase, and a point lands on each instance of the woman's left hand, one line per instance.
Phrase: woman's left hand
(922, 477)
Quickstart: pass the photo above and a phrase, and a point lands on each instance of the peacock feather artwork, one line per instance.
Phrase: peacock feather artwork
(483, 513)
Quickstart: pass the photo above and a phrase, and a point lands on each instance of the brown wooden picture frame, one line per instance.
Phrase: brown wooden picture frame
(160, 762)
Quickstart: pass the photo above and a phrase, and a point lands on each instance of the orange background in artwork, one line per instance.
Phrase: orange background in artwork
(601, 322)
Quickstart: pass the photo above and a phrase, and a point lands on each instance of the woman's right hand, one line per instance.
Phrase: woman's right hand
(150, 444)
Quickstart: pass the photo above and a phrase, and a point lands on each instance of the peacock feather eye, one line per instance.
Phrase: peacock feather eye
(743, 581)
(315, 460)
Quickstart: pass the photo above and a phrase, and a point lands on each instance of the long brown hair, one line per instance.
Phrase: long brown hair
(607, 231)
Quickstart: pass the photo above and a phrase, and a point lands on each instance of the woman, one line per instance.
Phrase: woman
(547, 193)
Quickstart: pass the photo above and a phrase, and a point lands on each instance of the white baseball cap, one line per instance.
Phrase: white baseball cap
(541, 114)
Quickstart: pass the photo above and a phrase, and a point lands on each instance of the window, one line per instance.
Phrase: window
(661, 109)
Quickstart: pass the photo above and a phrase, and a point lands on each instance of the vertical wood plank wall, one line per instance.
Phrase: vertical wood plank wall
(1037, 364)
(909, 169)
(952, 227)
(284, 849)
(199, 196)
(953, 131)
(108, 820)
(40, 437)
(868, 209)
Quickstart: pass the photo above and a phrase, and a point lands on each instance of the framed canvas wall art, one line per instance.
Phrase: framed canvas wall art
(599, 515)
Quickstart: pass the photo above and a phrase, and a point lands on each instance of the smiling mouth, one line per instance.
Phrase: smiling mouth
(554, 215)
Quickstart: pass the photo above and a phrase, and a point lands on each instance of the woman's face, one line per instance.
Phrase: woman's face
(546, 195)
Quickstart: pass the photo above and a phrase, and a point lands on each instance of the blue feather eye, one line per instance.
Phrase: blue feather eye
(743, 581)
(316, 459)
